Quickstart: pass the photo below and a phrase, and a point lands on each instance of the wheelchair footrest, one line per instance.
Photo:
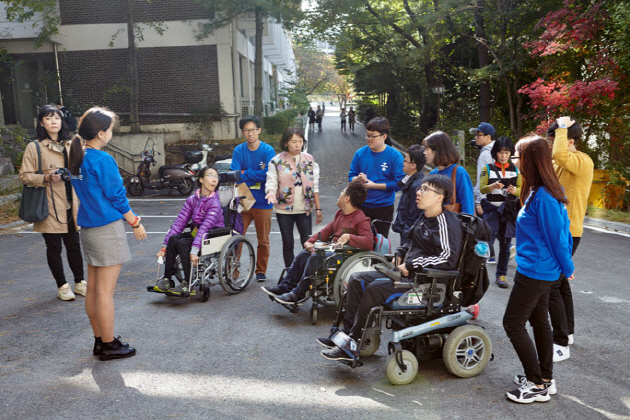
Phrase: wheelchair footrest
(353, 364)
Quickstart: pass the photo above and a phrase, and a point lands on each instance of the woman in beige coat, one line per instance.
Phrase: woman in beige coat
(60, 226)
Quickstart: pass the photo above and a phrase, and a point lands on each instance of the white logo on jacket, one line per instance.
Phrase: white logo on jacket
(384, 166)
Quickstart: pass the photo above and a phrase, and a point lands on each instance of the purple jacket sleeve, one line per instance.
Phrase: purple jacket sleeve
(182, 219)
(214, 218)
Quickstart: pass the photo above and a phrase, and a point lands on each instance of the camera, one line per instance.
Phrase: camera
(63, 173)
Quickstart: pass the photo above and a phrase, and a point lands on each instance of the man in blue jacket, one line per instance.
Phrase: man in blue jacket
(408, 213)
(252, 159)
(379, 167)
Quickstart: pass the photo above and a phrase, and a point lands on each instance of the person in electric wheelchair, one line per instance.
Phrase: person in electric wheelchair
(202, 212)
(435, 241)
(350, 226)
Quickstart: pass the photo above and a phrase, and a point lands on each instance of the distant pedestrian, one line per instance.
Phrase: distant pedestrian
(60, 227)
(312, 118)
(343, 117)
(543, 255)
(319, 116)
(292, 186)
(352, 116)
(575, 171)
(251, 159)
(379, 167)
(99, 186)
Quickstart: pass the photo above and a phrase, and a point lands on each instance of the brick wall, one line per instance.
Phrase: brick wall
(75, 12)
(172, 79)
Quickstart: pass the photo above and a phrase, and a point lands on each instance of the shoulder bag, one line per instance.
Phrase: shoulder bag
(34, 202)
(454, 206)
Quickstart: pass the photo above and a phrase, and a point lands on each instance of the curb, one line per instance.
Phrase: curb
(605, 224)
(13, 224)
(10, 198)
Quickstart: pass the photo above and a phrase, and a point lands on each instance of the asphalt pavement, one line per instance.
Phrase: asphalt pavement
(244, 357)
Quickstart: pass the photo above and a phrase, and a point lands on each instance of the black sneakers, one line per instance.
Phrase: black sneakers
(326, 342)
(335, 354)
(116, 350)
(273, 291)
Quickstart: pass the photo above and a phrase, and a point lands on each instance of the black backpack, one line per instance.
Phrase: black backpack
(473, 278)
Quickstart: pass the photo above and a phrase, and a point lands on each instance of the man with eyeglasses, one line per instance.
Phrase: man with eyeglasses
(379, 167)
(435, 242)
(251, 158)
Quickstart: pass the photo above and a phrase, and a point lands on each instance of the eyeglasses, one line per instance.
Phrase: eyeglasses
(480, 134)
(514, 158)
(406, 161)
(212, 176)
(367, 136)
(424, 189)
(250, 131)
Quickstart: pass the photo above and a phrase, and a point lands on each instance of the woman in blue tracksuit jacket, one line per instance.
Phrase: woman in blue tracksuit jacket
(543, 247)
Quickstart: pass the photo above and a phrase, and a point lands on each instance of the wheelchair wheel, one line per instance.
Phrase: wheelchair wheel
(372, 343)
(395, 375)
(205, 292)
(236, 264)
(467, 351)
(363, 261)
(314, 315)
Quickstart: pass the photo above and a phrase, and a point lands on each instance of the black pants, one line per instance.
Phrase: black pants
(529, 301)
(73, 252)
(365, 290)
(561, 307)
(343, 125)
(386, 214)
(285, 223)
(179, 244)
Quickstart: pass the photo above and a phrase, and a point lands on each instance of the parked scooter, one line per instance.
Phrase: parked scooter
(178, 177)
(221, 162)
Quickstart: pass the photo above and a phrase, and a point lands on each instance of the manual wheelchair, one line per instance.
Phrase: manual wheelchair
(226, 257)
(427, 321)
(328, 283)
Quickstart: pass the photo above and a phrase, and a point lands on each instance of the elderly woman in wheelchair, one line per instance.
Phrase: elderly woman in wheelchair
(350, 227)
(201, 212)
(421, 288)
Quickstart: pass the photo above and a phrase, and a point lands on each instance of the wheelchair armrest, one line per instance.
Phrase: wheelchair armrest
(230, 176)
(440, 274)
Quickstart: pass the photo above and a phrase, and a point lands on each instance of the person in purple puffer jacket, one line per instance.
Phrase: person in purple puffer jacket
(202, 212)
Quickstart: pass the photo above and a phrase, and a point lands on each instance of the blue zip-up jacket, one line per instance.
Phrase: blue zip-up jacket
(381, 168)
(463, 189)
(254, 163)
(543, 239)
(100, 189)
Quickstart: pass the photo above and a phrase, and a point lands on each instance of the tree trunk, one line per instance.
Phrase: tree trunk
(134, 117)
(258, 68)
(484, 60)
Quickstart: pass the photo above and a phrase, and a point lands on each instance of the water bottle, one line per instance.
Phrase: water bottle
(482, 249)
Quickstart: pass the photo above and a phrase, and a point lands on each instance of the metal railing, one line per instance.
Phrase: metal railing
(126, 157)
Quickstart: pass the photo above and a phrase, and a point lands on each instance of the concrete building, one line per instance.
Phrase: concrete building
(183, 79)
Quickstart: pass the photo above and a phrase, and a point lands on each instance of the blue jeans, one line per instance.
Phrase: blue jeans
(285, 222)
(504, 254)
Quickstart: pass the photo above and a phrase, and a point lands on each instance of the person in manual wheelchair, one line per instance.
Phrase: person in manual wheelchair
(350, 226)
(434, 241)
(202, 212)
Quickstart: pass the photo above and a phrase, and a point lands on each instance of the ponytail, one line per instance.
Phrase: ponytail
(75, 158)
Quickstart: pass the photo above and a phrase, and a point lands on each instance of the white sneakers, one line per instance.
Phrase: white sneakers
(560, 353)
(65, 293)
(570, 339)
(80, 288)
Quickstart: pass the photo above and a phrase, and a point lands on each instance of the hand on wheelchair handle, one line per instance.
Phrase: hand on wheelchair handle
(194, 259)
(403, 270)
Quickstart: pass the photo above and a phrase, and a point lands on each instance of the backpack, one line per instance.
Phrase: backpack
(473, 275)
(382, 245)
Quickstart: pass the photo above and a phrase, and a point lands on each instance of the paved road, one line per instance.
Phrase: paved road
(244, 357)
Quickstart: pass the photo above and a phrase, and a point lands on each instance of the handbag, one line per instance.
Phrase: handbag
(454, 206)
(34, 202)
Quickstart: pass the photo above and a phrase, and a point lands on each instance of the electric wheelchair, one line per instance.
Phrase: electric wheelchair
(428, 320)
(226, 257)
